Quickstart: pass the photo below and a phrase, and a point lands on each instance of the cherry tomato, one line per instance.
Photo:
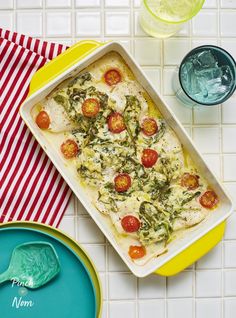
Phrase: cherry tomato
(149, 127)
(90, 107)
(149, 158)
(112, 77)
(43, 120)
(136, 251)
(116, 123)
(122, 182)
(209, 199)
(69, 149)
(130, 223)
(189, 181)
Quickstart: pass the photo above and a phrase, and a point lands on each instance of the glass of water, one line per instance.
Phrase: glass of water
(163, 18)
(206, 76)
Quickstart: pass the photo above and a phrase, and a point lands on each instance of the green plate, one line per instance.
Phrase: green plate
(74, 293)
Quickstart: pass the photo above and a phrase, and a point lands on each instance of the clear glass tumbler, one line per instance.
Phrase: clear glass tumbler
(163, 18)
(206, 77)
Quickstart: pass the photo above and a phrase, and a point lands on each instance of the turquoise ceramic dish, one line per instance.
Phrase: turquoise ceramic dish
(70, 295)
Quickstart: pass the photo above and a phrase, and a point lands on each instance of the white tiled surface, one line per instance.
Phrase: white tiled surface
(208, 288)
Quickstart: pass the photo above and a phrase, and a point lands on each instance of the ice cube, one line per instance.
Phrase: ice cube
(196, 63)
(188, 78)
(209, 73)
(216, 90)
(227, 76)
(203, 88)
(221, 84)
(208, 80)
(204, 59)
(213, 87)
(195, 86)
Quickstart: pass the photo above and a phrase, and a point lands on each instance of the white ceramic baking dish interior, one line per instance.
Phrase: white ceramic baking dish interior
(176, 246)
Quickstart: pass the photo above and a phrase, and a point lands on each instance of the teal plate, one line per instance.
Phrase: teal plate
(70, 295)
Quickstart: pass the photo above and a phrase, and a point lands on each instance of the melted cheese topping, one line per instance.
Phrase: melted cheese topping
(156, 196)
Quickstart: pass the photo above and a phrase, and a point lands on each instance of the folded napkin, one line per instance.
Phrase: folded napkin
(31, 187)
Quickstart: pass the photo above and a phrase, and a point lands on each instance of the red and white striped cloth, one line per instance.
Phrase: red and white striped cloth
(31, 187)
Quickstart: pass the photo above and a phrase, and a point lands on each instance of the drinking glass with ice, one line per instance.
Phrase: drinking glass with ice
(206, 76)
